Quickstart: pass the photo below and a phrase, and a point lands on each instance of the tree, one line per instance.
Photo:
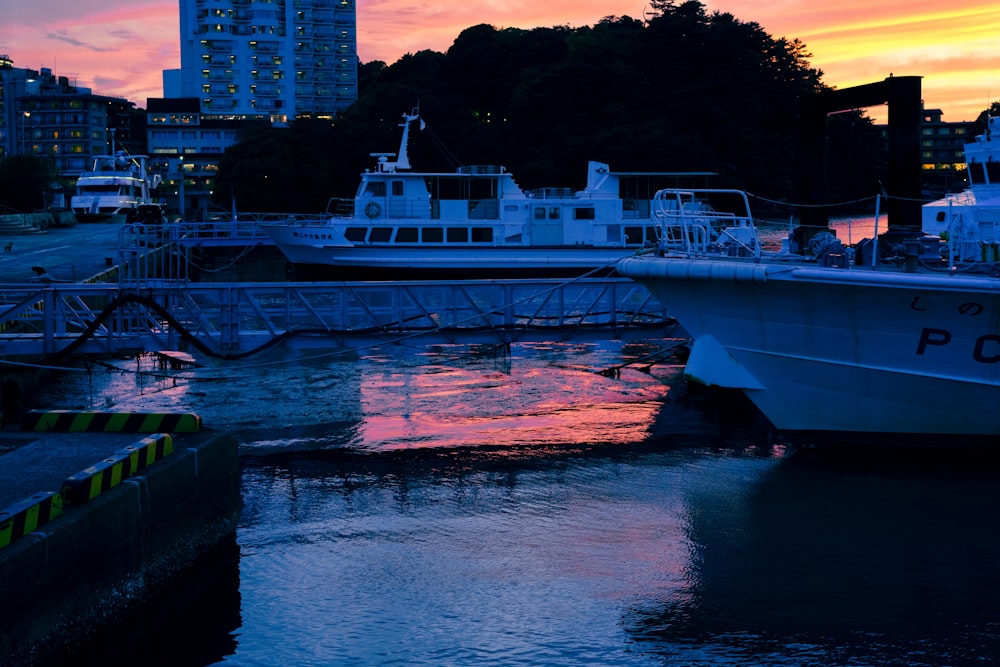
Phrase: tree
(24, 180)
(684, 90)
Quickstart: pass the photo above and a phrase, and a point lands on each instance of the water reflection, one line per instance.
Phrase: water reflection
(853, 563)
(396, 397)
(447, 505)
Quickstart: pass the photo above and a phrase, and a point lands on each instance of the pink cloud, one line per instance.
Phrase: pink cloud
(120, 47)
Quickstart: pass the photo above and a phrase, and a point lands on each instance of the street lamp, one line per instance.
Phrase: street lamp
(180, 192)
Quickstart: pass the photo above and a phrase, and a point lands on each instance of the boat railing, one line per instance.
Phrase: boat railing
(686, 222)
(552, 193)
(340, 208)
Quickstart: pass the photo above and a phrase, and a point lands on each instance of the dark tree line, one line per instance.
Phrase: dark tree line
(24, 180)
(683, 90)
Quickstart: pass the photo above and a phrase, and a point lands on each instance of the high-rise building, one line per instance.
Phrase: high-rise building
(275, 59)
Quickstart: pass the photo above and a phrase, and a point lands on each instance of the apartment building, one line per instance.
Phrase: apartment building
(244, 61)
(45, 115)
(277, 59)
(942, 152)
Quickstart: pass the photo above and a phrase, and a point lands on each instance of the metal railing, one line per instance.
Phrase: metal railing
(239, 319)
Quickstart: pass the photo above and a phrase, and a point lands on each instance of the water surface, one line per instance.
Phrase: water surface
(453, 505)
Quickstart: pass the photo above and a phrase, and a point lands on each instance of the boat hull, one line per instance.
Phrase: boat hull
(841, 355)
(454, 258)
(118, 217)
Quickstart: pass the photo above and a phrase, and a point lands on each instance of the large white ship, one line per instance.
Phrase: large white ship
(831, 347)
(113, 188)
(476, 220)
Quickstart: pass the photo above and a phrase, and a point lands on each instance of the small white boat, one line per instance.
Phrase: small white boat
(970, 219)
(831, 349)
(476, 220)
(113, 189)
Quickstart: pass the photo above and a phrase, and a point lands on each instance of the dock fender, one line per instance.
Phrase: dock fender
(711, 364)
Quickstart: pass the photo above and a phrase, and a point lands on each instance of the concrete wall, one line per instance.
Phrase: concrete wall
(99, 562)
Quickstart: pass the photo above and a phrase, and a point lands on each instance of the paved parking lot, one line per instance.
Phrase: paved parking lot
(59, 254)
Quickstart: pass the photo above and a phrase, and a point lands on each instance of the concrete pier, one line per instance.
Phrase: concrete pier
(97, 562)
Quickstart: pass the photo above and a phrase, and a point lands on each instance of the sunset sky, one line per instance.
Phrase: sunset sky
(120, 47)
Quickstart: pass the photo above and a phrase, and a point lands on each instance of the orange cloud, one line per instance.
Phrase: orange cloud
(952, 45)
(121, 47)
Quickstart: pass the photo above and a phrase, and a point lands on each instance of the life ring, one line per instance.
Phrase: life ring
(373, 209)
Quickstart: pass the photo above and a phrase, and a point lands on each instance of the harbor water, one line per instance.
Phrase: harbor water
(561, 503)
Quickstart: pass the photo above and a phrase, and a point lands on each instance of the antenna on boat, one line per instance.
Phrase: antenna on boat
(403, 162)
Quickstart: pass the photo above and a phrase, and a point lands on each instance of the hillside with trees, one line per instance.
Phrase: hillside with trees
(683, 90)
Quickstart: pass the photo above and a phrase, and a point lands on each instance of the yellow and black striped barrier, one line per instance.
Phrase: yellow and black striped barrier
(110, 422)
(98, 478)
(149, 450)
(25, 516)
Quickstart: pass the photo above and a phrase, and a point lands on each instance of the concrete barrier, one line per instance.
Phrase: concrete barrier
(85, 572)
(121, 465)
(117, 422)
(26, 516)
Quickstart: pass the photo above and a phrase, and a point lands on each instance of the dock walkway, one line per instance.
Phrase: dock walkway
(46, 309)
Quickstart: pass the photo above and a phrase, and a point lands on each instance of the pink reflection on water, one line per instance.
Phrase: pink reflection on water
(460, 407)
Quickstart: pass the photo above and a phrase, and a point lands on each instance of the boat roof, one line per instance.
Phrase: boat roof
(671, 174)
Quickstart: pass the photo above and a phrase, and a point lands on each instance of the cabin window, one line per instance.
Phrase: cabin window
(554, 213)
(633, 235)
(355, 234)
(583, 214)
(375, 189)
(458, 235)
(976, 173)
(993, 171)
(380, 235)
(432, 235)
(539, 213)
(651, 234)
(482, 235)
(397, 188)
(406, 235)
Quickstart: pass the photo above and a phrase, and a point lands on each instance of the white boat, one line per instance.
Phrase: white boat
(476, 220)
(970, 219)
(113, 188)
(831, 349)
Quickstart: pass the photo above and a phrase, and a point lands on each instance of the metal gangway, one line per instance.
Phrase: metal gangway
(154, 307)
(236, 320)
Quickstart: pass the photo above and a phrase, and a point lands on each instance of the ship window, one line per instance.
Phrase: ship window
(633, 235)
(432, 235)
(976, 173)
(554, 213)
(651, 234)
(380, 235)
(355, 234)
(397, 188)
(583, 213)
(482, 235)
(375, 189)
(458, 235)
(993, 171)
(539, 213)
(406, 235)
